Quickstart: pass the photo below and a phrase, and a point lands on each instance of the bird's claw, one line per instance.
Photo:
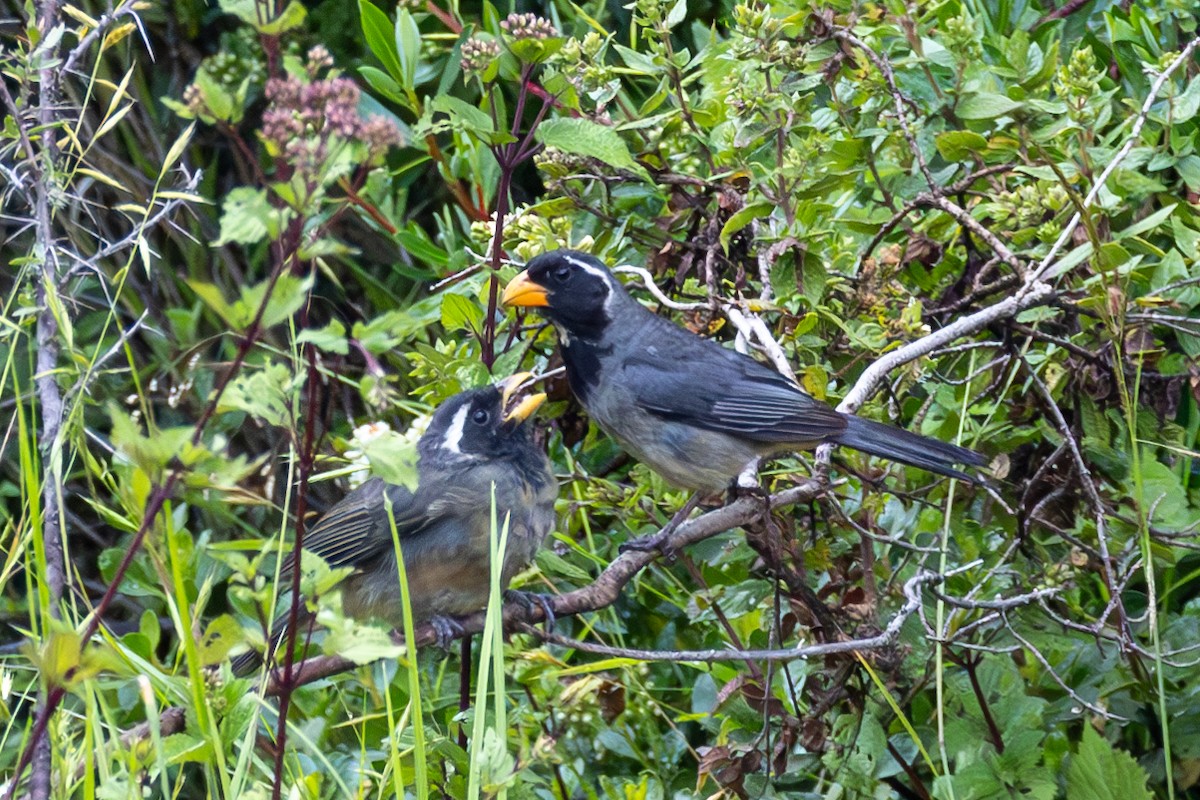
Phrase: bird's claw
(446, 630)
(530, 599)
(654, 542)
(740, 489)
(658, 541)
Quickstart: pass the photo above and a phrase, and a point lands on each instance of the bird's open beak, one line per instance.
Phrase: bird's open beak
(522, 406)
(521, 291)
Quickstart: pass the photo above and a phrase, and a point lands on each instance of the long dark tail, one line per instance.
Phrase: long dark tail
(246, 663)
(908, 448)
(250, 661)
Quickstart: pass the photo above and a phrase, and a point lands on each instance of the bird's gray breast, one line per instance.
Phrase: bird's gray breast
(687, 456)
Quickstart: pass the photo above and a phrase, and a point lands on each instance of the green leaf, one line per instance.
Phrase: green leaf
(1189, 169)
(1185, 105)
(535, 51)
(705, 694)
(139, 581)
(1111, 256)
(360, 642)
(250, 12)
(1100, 772)
(1148, 223)
(219, 102)
(986, 106)
(385, 332)
(291, 18)
(183, 748)
(586, 138)
(393, 458)
(553, 564)
(287, 296)
(152, 454)
(264, 394)
(377, 29)
(408, 47)
(601, 665)
(677, 14)
(463, 115)
(1163, 492)
(211, 296)
(741, 219)
(384, 84)
(331, 338)
(639, 62)
(960, 145)
(461, 313)
(324, 247)
(219, 638)
(247, 217)
(416, 241)
(1170, 269)
(1072, 259)
(242, 710)
(318, 579)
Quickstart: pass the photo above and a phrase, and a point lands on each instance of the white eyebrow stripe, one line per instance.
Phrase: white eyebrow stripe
(454, 433)
(604, 275)
(588, 268)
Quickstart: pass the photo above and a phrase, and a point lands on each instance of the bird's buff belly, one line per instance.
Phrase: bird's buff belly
(442, 581)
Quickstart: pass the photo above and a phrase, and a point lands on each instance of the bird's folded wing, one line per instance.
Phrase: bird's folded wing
(731, 398)
(357, 529)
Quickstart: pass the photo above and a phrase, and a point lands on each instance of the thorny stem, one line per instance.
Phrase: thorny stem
(489, 322)
(508, 156)
(288, 256)
(49, 394)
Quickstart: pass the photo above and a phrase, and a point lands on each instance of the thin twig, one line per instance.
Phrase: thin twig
(1051, 257)
(898, 99)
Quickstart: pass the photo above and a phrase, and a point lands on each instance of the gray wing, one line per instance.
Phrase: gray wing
(710, 387)
(357, 528)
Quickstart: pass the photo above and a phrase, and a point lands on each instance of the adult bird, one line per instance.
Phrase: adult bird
(693, 411)
(476, 443)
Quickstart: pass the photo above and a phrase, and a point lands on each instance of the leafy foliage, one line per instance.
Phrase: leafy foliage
(222, 264)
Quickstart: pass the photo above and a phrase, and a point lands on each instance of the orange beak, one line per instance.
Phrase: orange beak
(525, 406)
(522, 291)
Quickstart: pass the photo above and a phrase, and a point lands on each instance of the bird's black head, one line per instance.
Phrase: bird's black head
(573, 290)
(482, 424)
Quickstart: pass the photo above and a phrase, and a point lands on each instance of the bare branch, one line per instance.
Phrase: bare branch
(883, 639)
(601, 593)
(1033, 294)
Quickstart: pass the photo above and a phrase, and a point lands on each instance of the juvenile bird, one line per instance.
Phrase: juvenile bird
(693, 411)
(475, 441)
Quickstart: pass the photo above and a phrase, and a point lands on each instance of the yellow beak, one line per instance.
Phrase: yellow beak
(521, 291)
(526, 405)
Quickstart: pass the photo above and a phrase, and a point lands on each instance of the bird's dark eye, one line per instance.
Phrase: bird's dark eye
(561, 273)
(480, 417)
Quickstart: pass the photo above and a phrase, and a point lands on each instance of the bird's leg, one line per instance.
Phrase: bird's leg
(655, 541)
(530, 599)
(747, 484)
(446, 629)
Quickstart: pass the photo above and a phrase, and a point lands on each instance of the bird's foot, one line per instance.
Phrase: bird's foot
(760, 494)
(747, 484)
(528, 600)
(651, 543)
(658, 541)
(446, 629)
